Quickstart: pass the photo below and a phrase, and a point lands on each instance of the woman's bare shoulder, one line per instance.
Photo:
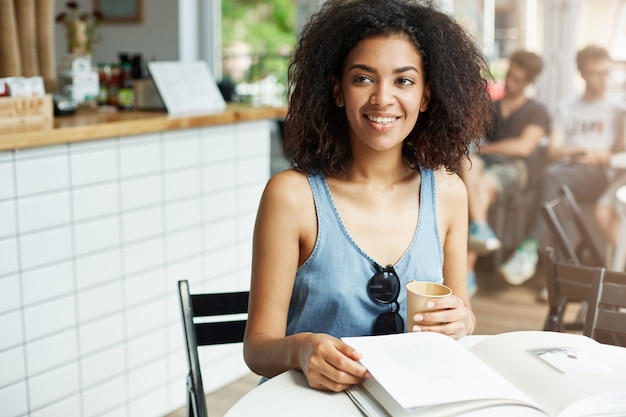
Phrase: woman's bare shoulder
(289, 187)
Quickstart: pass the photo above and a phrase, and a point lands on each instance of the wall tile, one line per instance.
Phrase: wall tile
(50, 352)
(100, 334)
(32, 215)
(248, 197)
(49, 317)
(117, 411)
(10, 294)
(38, 175)
(183, 244)
(7, 179)
(140, 155)
(8, 256)
(8, 221)
(98, 268)
(151, 404)
(94, 201)
(181, 149)
(249, 169)
(146, 379)
(14, 400)
(93, 162)
(66, 407)
(99, 301)
(45, 247)
(220, 262)
(11, 330)
(253, 138)
(182, 214)
(219, 176)
(219, 205)
(147, 348)
(145, 317)
(13, 366)
(141, 192)
(47, 282)
(218, 143)
(181, 184)
(106, 396)
(53, 386)
(189, 269)
(144, 286)
(99, 234)
(143, 255)
(103, 365)
(141, 224)
(220, 234)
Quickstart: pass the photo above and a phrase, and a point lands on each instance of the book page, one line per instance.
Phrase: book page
(423, 369)
(559, 386)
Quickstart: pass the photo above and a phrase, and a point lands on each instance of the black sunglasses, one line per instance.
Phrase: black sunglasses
(384, 287)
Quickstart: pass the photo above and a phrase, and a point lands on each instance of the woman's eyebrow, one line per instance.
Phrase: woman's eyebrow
(373, 70)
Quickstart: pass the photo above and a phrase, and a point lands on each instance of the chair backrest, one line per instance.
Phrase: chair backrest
(202, 333)
(563, 215)
(606, 319)
(567, 283)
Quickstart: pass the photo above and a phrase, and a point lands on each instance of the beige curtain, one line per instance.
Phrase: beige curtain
(27, 40)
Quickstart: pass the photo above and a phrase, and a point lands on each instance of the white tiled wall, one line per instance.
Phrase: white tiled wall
(93, 238)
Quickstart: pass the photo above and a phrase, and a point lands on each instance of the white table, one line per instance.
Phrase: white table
(289, 395)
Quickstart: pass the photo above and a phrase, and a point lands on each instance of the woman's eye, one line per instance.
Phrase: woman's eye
(362, 79)
(405, 81)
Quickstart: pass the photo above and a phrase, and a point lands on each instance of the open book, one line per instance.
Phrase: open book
(527, 373)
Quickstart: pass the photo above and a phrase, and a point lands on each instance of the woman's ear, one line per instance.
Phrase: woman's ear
(337, 94)
(425, 98)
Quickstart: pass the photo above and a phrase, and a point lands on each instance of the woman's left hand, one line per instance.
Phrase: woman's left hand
(447, 315)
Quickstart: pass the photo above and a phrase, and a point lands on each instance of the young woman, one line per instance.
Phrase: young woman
(386, 98)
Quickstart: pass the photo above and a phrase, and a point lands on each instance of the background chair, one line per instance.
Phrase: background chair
(606, 319)
(572, 239)
(199, 333)
(567, 283)
(511, 218)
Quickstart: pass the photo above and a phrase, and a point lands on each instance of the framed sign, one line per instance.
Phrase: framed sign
(120, 11)
(186, 88)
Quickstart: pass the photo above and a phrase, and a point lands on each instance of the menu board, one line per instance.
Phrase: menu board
(186, 88)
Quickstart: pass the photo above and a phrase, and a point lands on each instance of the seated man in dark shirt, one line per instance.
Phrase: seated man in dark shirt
(499, 167)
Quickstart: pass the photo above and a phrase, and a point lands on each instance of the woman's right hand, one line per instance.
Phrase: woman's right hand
(328, 363)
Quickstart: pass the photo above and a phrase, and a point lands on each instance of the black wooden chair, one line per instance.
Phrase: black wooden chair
(197, 333)
(572, 239)
(568, 283)
(606, 319)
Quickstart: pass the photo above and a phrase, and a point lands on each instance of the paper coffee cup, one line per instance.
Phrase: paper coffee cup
(418, 293)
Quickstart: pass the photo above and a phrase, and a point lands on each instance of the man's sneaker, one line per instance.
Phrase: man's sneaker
(523, 264)
(472, 285)
(482, 239)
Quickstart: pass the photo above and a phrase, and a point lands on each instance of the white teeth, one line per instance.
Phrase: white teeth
(381, 120)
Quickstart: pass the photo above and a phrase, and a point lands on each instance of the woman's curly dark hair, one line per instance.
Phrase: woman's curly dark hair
(460, 110)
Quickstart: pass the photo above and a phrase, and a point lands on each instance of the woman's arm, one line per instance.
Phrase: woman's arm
(284, 236)
(454, 312)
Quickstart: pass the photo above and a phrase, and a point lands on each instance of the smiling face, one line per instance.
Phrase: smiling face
(382, 89)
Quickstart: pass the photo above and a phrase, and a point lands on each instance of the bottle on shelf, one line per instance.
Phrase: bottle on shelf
(125, 94)
(104, 78)
(114, 85)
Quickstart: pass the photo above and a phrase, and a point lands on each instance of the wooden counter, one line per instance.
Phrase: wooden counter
(100, 125)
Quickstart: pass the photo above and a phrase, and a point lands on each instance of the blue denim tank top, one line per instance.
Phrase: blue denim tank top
(330, 290)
